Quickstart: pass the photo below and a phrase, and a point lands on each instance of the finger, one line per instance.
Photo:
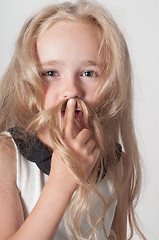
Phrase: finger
(94, 158)
(69, 118)
(95, 154)
(83, 137)
(90, 146)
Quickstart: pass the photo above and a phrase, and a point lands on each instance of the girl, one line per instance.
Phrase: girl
(66, 115)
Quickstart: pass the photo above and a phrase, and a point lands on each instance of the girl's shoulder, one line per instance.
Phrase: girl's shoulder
(7, 161)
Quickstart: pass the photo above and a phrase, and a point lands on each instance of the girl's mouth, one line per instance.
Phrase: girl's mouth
(78, 113)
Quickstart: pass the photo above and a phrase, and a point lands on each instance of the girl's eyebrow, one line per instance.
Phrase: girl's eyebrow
(59, 63)
(91, 63)
(51, 63)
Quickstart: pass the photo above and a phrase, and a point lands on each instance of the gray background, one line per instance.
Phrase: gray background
(139, 20)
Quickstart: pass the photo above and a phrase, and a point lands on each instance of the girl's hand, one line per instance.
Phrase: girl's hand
(83, 146)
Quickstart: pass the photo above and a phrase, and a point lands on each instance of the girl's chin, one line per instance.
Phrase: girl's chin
(77, 128)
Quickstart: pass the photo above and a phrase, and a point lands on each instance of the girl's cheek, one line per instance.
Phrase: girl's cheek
(47, 99)
(45, 87)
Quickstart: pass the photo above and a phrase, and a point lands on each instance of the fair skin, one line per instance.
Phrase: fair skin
(68, 52)
(69, 63)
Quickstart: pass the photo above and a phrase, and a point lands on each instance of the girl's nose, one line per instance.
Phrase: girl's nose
(72, 90)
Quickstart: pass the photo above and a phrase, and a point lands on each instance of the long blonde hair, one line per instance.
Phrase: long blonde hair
(22, 96)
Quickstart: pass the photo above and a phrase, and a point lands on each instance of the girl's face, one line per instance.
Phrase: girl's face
(69, 62)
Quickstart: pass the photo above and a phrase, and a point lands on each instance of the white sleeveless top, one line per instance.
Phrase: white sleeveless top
(30, 182)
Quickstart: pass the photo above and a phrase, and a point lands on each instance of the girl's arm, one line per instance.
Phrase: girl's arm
(11, 213)
(44, 219)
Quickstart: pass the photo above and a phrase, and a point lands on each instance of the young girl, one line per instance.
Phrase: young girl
(69, 162)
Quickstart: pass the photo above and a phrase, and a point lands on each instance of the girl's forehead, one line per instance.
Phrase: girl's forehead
(69, 39)
(75, 27)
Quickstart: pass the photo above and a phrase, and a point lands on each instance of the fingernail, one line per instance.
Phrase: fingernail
(71, 101)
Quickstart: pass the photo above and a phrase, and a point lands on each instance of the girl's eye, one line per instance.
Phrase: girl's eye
(50, 74)
(89, 74)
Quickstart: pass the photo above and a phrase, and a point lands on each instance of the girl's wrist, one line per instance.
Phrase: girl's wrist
(62, 184)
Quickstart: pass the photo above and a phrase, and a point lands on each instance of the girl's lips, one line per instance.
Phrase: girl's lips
(78, 113)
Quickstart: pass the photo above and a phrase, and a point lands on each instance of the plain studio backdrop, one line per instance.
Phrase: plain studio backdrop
(139, 21)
